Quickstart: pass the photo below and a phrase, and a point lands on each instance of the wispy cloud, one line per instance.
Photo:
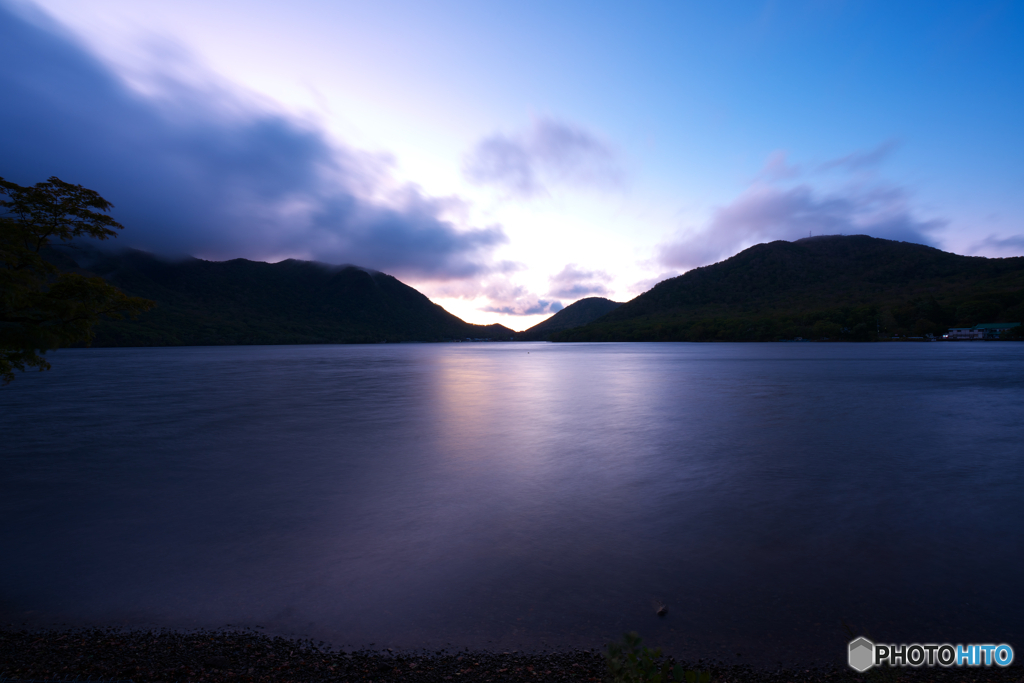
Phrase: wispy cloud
(573, 283)
(506, 296)
(200, 169)
(646, 284)
(529, 305)
(513, 299)
(778, 167)
(502, 293)
(861, 160)
(1003, 246)
(549, 153)
(770, 211)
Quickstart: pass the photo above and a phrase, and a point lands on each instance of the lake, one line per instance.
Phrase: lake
(774, 497)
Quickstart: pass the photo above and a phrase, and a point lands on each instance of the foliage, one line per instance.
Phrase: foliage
(854, 288)
(631, 662)
(206, 303)
(1014, 334)
(42, 308)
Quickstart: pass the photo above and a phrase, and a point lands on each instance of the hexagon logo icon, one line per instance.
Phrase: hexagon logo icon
(862, 654)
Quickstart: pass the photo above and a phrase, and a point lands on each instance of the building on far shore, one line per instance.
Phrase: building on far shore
(983, 331)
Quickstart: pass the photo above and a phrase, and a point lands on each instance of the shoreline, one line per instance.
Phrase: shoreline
(247, 656)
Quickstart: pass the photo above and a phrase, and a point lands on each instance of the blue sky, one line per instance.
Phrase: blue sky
(508, 158)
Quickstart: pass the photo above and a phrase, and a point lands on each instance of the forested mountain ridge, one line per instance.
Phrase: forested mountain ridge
(246, 302)
(845, 287)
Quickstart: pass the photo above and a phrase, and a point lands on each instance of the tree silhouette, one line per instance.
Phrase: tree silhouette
(42, 308)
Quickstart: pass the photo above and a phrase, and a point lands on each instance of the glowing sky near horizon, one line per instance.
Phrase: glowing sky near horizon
(506, 158)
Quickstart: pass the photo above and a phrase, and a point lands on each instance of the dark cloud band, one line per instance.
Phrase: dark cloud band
(191, 172)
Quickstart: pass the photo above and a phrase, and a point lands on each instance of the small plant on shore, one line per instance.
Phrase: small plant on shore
(631, 662)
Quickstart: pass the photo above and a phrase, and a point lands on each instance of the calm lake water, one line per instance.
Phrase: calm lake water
(524, 496)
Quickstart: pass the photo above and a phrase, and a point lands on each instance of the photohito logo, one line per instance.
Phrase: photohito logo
(863, 654)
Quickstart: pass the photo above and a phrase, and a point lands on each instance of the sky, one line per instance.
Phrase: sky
(510, 158)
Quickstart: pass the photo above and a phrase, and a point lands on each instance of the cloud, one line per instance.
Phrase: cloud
(548, 153)
(197, 168)
(513, 299)
(765, 213)
(858, 161)
(638, 288)
(1011, 246)
(573, 283)
(778, 167)
(526, 306)
(503, 294)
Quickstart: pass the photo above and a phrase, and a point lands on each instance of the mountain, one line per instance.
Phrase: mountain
(203, 303)
(575, 315)
(836, 287)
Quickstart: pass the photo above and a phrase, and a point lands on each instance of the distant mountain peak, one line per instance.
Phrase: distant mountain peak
(578, 314)
(828, 286)
(202, 303)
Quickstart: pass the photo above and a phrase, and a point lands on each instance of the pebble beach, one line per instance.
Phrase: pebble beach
(248, 656)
